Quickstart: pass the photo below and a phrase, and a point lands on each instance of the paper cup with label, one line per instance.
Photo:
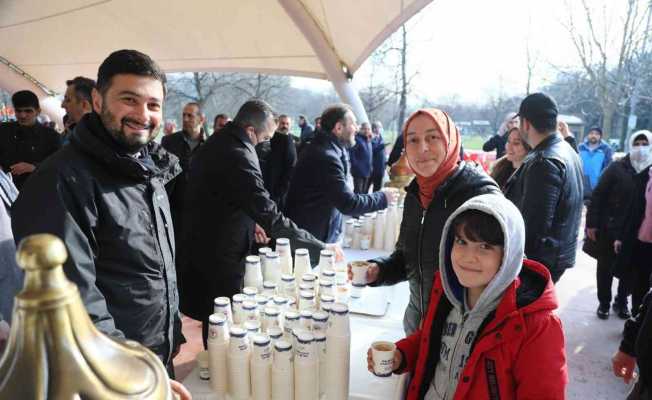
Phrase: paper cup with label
(359, 272)
(382, 353)
(202, 361)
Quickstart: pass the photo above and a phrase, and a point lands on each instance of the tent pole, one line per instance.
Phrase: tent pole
(336, 70)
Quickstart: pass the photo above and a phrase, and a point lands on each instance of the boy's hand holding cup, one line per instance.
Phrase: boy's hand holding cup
(383, 358)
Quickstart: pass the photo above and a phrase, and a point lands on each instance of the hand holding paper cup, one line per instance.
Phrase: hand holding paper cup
(359, 273)
(383, 358)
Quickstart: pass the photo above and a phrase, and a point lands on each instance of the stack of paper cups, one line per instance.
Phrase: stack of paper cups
(328, 273)
(284, 252)
(261, 301)
(261, 368)
(326, 260)
(238, 365)
(310, 281)
(275, 334)
(348, 233)
(326, 301)
(273, 267)
(338, 353)
(250, 292)
(320, 322)
(288, 285)
(390, 228)
(271, 318)
(307, 300)
(320, 344)
(379, 226)
(301, 263)
(262, 253)
(250, 311)
(305, 319)
(222, 305)
(326, 287)
(280, 302)
(237, 308)
(306, 368)
(252, 327)
(269, 288)
(290, 323)
(253, 273)
(218, 345)
(283, 372)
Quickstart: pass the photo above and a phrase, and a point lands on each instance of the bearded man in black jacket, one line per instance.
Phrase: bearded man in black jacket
(104, 196)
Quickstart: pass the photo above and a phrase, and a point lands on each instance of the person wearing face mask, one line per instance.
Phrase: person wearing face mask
(633, 242)
(443, 183)
(604, 219)
(516, 150)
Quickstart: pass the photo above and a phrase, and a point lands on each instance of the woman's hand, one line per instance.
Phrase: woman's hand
(373, 270)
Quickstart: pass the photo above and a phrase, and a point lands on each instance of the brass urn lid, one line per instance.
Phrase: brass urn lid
(54, 350)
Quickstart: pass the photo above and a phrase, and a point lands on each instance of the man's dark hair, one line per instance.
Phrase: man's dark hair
(128, 62)
(253, 113)
(541, 111)
(83, 88)
(334, 114)
(25, 99)
(478, 226)
(220, 116)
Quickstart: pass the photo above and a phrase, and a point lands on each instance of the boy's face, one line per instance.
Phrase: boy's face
(475, 263)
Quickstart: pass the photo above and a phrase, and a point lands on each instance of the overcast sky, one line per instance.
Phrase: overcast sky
(471, 49)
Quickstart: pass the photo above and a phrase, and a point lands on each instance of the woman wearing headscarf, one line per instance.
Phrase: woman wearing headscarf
(604, 219)
(442, 183)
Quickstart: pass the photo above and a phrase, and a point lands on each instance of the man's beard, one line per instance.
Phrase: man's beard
(131, 144)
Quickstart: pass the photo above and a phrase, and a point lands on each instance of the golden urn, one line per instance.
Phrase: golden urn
(54, 350)
(400, 173)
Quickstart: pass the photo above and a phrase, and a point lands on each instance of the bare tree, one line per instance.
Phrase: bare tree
(607, 72)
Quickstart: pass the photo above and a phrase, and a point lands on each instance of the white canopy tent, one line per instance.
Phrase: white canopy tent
(44, 43)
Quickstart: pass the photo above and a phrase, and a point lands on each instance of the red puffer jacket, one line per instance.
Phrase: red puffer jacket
(518, 354)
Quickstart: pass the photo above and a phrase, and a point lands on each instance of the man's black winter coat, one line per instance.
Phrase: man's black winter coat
(226, 197)
(26, 144)
(549, 195)
(112, 212)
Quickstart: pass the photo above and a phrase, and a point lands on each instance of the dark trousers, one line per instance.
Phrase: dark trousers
(377, 182)
(640, 269)
(360, 185)
(604, 278)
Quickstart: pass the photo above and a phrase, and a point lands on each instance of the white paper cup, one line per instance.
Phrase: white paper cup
(202, 361)
(382, 353)
(359, 271)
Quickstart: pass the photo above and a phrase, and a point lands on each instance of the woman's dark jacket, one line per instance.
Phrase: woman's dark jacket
(416, 256)
(607, 209)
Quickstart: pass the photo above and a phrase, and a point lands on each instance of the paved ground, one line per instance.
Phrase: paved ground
(590, 342)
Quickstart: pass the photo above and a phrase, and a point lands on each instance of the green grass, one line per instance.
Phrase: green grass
(473, 142)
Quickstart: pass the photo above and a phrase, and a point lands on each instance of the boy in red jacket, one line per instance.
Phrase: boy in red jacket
(490, 331)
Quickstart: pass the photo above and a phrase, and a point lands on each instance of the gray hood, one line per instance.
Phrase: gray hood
(511, 221)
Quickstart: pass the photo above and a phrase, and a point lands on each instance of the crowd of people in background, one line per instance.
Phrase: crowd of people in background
(153, 229)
